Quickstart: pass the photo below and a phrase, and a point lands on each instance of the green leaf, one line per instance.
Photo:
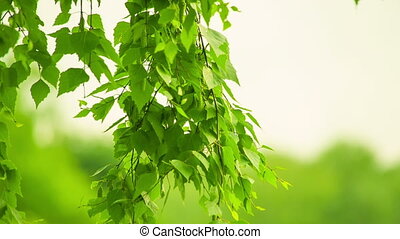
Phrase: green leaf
(101, 109)
(131, 56)
(84, 42)
(51, 75)
(39, 91)
(189, 31)
(166, 15)
(253, 157)
(82, 114)
(229, 72)
(181, 111)
(65, 5)
(98, 67)
(228, 158)
(235, 9)
(62, 18)
(185, 169)
(164, 75)
(8, 38)
(140, 86)
(8, 95)
(254, 120)
(3, 132)
(217, 41)
(202, 159)
(213, 208)
(133, 7)
(285, 184)
(63, 42)
(3, 211)
(100, 170)
(94, 21)
(115, 123)
(235, 215)
(22, 71)
(145, 183)
(270, 176)
(208, 76)
(122, 32)
(71, 79)
(267, 147)
(206, 6)
(43, 58)
(4, 6)
(109, 50)
(227, 24)
(170, 51)
(14, 181)
(8, 77)
(155, 121)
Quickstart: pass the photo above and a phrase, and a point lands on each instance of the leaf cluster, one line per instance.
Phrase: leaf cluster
(181, 125)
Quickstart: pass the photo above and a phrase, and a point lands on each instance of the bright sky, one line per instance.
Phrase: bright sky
(313, 71)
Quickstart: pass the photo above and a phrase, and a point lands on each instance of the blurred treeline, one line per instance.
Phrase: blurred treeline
(345, 184)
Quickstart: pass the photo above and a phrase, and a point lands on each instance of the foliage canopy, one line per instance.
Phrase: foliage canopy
(168, 72)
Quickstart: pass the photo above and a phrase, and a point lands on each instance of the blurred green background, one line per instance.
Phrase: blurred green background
(344, 184)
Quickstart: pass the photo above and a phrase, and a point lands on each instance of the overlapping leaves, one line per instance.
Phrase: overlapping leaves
(181, 124)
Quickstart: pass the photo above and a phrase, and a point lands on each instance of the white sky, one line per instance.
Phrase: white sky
(313, 71)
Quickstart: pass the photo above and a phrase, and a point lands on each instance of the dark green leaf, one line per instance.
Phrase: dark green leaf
(8, 38)
(22, 71)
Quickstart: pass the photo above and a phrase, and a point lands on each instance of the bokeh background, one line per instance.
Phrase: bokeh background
(322, 77)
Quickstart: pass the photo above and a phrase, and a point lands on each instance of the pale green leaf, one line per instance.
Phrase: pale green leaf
(270, 176)
(164, 75)
(208, 76)
(253, 157)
